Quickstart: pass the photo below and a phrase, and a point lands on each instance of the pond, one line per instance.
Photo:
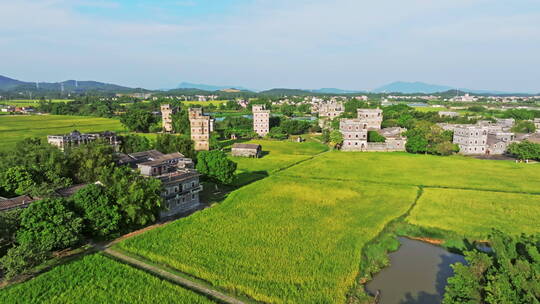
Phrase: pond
(417, 274)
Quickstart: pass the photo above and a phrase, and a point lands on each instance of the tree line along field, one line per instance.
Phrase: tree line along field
(30, 102)
(98, 279)
(14, 128)
(473, 213)
(279, 240)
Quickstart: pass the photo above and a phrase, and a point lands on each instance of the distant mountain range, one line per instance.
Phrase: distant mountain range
(335, 91)
(9, 84)
(208, 87)
(426, 88)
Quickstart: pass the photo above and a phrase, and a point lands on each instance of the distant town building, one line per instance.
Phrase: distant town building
(471, 139)
(201, 127)
(465, 98)
(354, 132)
(166, 116)
(261, 120)
(331, 109)
(448, 114)
(77, 138)
(246, 150)
(372, 117)
(181, 185)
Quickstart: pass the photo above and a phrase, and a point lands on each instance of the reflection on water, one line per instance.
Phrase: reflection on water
(417, 274)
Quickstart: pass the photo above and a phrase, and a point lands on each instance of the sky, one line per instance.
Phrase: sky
(262, 44)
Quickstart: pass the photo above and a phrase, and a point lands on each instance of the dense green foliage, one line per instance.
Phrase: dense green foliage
(524, 127)
(98, 279)
(374, 136)
(426, 137)
(216, 166)
(508, 274)
(525, 150)
(99, 212)
(167, 143)
(135, 143)
(138, 120)
(88, 160)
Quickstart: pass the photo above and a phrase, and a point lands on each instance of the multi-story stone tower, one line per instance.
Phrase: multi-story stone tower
(471, 139)
(166, 115)
(201, 126)
(354, 133)
(261, 120)
(372, 117)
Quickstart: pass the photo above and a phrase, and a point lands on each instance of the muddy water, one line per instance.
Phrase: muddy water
(417, 274)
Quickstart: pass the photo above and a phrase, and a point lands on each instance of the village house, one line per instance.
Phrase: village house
(471, 139)
(24, 201)
(246, 150)
(372, 117)
(448, 114)
(181, 185)
(77, 138)
(201, 127)
(261, 120)
(331, 110)
(166, 116)
(355, 133)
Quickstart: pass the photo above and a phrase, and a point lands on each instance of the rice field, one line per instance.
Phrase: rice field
(278, 155)
(428, 170)
(98, 279)
(29, 102)
(14, 128)
(474, 213)
(280, 240)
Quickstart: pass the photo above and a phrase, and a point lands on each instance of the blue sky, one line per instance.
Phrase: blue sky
(260, 44)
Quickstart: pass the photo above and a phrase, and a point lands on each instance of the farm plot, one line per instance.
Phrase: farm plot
(427, 170)
(475, 213)
(14, 128)
(280, 240)
(98, 279)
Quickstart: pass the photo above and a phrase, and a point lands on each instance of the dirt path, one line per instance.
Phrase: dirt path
(211, 293)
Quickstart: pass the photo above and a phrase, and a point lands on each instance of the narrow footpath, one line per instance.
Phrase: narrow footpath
(211, 293)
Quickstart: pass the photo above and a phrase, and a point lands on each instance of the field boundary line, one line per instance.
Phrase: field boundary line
(189, 284)
(411, 185)
(299, 162)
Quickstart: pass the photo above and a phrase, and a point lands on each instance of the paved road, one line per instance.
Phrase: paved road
(212, 293)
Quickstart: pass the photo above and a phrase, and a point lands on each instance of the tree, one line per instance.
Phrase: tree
(47, 165)
(167, 143)
(524, 127)
(135, 143)
(336, 137)
(99, 212)
(295, 127)
(216, 166)
(180, 122)
(138, 198)
(88, 160)
(9, 224)
(277, 133)
(374, 136)
(138, 120)
(17, 180)
(22, 258)
(50, 224)
(445, 148)
(288, 110)
(416, 144)
(525, 150)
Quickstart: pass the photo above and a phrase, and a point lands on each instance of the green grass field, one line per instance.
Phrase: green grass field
(473, 213)
(427, 170)
(29, 102)
(278, 155)
(98, 279)
(14, 128)
(280, 240)
(205, 103)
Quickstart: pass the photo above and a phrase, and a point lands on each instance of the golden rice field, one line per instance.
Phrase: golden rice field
(279, 240)
(475, 213)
